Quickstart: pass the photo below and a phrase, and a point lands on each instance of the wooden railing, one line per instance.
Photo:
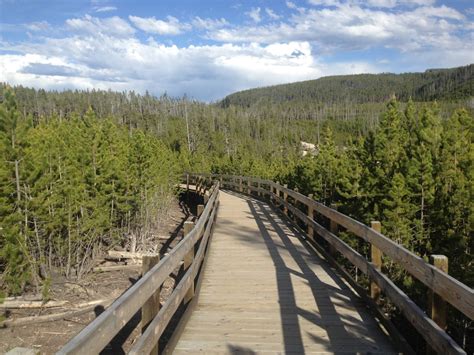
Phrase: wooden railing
(95, 336)
(443, 287)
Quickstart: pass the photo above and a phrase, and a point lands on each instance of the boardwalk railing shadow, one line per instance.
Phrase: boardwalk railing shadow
(268, 222)
(334, 315)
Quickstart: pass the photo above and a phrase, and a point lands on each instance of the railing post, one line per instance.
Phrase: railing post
(187, 182)
(277, 192)
(249, 191)
(200, 209)
(311, 216)
(204, 186)
(285, 198)
(240, 184)
(376, 259)
(151, 307)
(437, 306)
(188, 260)
(333, 227)
(259, 194)
(295, 219)
(221, 184)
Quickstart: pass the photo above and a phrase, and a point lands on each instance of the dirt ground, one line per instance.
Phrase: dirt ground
(48, 337)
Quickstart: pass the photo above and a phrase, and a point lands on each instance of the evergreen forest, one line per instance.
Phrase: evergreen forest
(83, 171)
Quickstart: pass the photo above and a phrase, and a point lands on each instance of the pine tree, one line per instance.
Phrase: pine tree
(349, 184)
(383, 158)
(453, 220)
(397, 214)
(14, 216)
(327, 168)
(422, 150)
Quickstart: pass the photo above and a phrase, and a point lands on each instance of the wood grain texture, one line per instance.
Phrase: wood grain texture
(263, 291)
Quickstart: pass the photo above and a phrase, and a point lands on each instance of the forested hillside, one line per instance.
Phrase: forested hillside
(434, 84)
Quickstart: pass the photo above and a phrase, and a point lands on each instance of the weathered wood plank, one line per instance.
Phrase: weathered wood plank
(152, 334)
(151, 307)
(97, 334)
(376, 259)
(259, 276)
(434, 335)
(455, 292)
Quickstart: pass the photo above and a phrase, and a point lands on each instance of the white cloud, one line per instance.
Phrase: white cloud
(352, 27)
(382, 3)
(291, 5)
(93, 25)
(272, 14)
(38, 26)
(107, 53)
(208, 23)
(440, 12)
(208, 72)
(326, 2)
(373, 3)
(254, 14)
(105, 9)
(419, 2)
(151, 25)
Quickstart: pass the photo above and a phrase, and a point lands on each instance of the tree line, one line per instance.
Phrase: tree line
(433, 84)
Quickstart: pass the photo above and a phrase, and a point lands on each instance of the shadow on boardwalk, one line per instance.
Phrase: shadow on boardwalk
(270, 221)
(265, 290)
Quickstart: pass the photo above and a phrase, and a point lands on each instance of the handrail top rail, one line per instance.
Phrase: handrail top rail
(97, 334)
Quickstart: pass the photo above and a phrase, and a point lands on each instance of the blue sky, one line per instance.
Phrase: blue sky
(208, 49)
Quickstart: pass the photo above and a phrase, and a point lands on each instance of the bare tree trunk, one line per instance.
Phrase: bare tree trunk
(43, 271)
(17, 179)
(68, 264)
(187, 126)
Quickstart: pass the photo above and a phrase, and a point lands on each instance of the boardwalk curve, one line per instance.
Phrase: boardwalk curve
(264, 291)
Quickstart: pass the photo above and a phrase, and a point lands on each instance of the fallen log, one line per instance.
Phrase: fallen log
(80, 309)
(37, 297)
(116, 254)
(32, 304)
(116, 267)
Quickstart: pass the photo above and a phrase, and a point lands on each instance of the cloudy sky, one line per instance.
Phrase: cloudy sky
(209, 48)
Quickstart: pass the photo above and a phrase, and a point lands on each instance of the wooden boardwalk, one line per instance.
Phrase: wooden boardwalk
(264, 291)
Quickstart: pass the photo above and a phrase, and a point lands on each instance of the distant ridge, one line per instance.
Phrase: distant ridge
(433, 84)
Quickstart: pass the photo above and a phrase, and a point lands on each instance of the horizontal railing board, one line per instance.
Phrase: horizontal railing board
(97, 334)
(353, 256)
(453, 291)
(437, 337)
(156, 327)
